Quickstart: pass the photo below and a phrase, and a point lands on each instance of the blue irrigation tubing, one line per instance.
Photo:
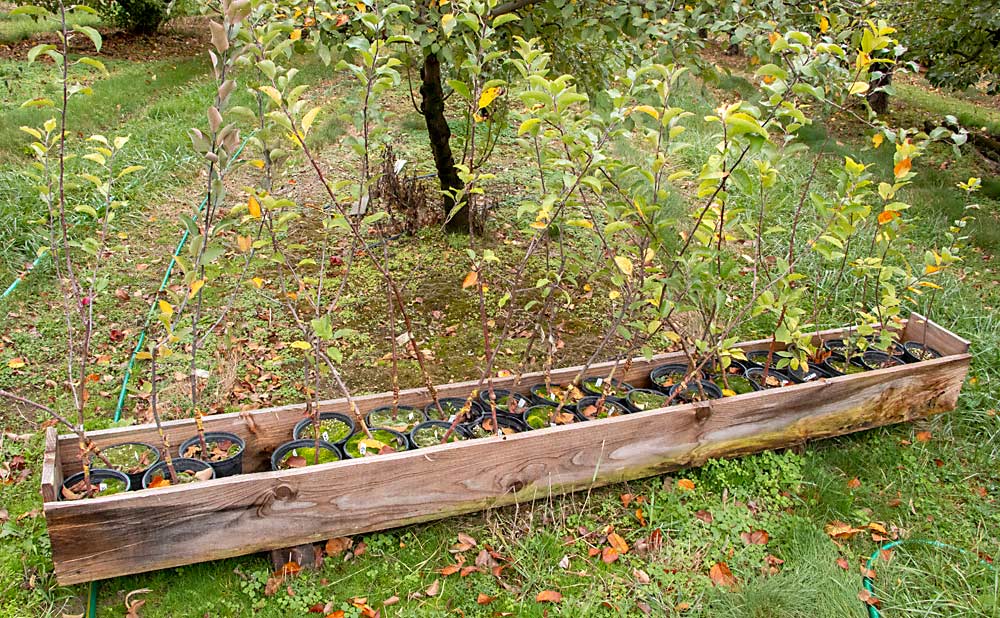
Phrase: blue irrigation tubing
(17, 281)
(869, 584)
(152, 305)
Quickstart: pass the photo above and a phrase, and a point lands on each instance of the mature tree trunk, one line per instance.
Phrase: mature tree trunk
(432, 107)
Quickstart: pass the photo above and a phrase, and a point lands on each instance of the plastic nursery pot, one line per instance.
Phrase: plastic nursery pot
(302, 453)
(482, 427)
(430, 433)
(594, 386)
(837, 365)
(920, 352)
(334, 428)
(642, 399)
(406, 418)
(383, 441)
(732, 380)
(451, 406)
(130, 458)
(225, 452)
(775, 378)
(696, 390)
(552, 395)
(508, 402)
(587, 408)
(665, 377)
(814, 372)
(540, 417)
(107, 482)
(186, 469)
(876, 359)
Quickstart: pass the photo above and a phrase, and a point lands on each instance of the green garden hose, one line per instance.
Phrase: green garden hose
(870, 586)
(163, 286)
(18, 279)
(92, 605)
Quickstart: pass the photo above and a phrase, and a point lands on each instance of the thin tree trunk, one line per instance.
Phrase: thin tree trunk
(432, 107)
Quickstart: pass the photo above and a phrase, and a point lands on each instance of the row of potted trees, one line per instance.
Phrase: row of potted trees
(135, 465)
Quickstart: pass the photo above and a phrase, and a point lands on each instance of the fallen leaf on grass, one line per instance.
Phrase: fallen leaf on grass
(755, 537)
(868, 598)
(433, 589)
(564, 562)
(618, 543)
(854, 483)
(338, 545)
(641, 576)
(360, 549)
(337, 614)
(721, 575)
(685, 485)
(843, 563)
(484, 599)
(549, 596)
(132, 607)
(390, 601)
(451, 569)
(923, 436)
(609, 555)
(288, 569)
(468, 570)
(465, 539)
(840, 530)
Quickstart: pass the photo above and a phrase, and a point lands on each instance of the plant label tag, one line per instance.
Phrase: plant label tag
(599, 382)
(326, 436)
(520, 403)
(451, 419)
(362, 448)
(295, 452)
(102, 486)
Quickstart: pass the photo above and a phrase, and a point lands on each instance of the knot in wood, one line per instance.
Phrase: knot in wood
(702, 410)
(285, 492)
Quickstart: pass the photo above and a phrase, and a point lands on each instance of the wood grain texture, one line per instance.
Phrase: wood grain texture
(52, 475)
(919, 328)
(155, 529)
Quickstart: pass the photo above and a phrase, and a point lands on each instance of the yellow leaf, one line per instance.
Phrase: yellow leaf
(859, 88)
(613, 294)
(646, 109)
(257, 282)
(624, 264)
(144, 356)
(824, 24)
(685, 485)
(489, 95)
(930, 269)
(296, 34)
(877, 140)
(470, 280)
(301, 345)
(258, 163)
(195, 286)
(902, 168)
(446, 19)
(308, 119)
(254, 207)
(166, 308)
(244, 243)
(16, 363)
(886, 216)
(584, 223)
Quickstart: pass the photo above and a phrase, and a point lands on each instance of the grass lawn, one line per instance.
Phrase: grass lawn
(766, 516)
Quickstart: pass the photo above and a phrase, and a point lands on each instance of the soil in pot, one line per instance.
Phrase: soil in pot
(334, 428)
(774, 379)
(875, 359)
(130, 458)
(383, 441)
(589, 410)
(594, 386)
(405, 419)
(666, 377)
(759, 357)
(697, 390)
(838, 365)
(920, 351)
(641, 399)
(736, 385)
(302, 453)
(539, 417)
(451, 406)
(483, 427)
(553, 394)
(103, 482)
(188, 471)
(508, 402)
(430, 433)
(225, 452)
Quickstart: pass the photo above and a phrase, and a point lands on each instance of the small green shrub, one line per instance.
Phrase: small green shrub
(770, 476)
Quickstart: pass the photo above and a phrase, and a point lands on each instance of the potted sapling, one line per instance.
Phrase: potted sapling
(430, 433)
(507, 402)
(547, 415)
(642, 399)
(401, 419)
(334, 428)
(130, 458)
(591, 408)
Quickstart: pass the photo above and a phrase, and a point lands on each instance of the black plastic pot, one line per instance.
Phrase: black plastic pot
(815, 372)
(876, 359)
(181, 464)
(418, 416)
(96, 476)
(135, 478)
(630, 403)
(547, 409)
(460, 432)
(695, 388)
(484, 400)
(401, 439)
(754, 372)
(919, 352)
(226, 467)
(451, 407)
(593, 386)
(540, 396)
(833, 371)
(288, 447)
(505, 421)
(303, 429)
(586, 402)
(656, 376)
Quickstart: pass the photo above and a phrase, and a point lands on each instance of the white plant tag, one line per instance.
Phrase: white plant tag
(599, 382)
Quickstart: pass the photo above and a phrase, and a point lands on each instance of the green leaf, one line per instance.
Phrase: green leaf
(92, 34)
(322, 328)
(97, 64)
(39, 49)
(87, 209)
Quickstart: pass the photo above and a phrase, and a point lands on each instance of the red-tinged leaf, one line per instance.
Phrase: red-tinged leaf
(317, 608)
(337, 546)
(685, 485)
(642, 519)
(470, 280)
(337, 614)
(868, 598)
(923, 436)
(159, 481)
(721, 575)
(451, 569)
(902, 167)
(433, 589)
(390, 601)
(549, 596)
(755, 537)
(704, 516)
(484, 599)
(360, 549)
(468, 570)
(296, 461)
(609, 555)
(641, 576)
(626, 499)
(288, 569)
(869, 573)
(644, 607)
(616, 541)
(465, 539)
(843, 563)
(656, 540)
(854, 483)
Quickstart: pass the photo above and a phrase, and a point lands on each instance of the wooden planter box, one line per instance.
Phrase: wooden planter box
(155, 529)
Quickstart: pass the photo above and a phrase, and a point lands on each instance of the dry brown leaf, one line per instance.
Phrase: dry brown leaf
(451, 569)
(840, 530)
(618, 543)
(641, 576)
(721, 575)
(390, 601)
(854, 483)
(626, 499)
(755, 537)
(465, 539)
(484, 599)
(843, 563)
(468, 570)
(470, 280)
(433, 589)
(360, 549)
(132, 607)
(549, 596)
(339, 545)
(337, 614)
(704, 516)
(564, 562)
(609, 555)
(868, 598)
(923, 436)
(685, 485)
(204, 475)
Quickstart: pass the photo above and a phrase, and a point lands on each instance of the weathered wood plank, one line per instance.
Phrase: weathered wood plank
(52, 469)
(919, 328)
(274, 425)
(156, 529)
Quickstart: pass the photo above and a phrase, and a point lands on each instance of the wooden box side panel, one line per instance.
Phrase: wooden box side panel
(245, 514)
(919, 328)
